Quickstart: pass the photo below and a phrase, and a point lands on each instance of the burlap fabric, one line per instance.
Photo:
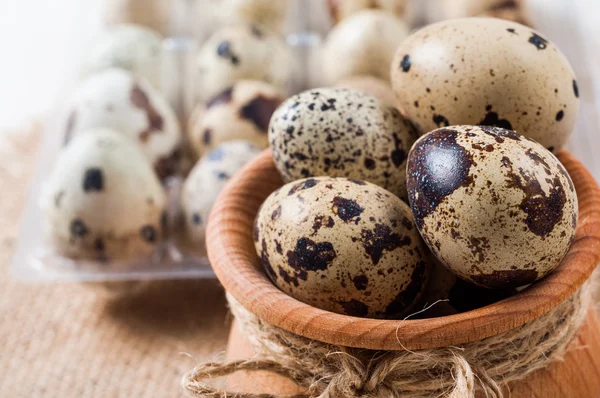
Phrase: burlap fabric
(67, 340)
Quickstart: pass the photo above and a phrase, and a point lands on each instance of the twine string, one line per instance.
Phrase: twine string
(328, 371)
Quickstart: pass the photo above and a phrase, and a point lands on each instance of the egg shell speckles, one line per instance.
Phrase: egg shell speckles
(239, 52)
(240, 112)
(342, 245)
(103, 201)
(117, 100)
(485, 71)
(207, 179)
(363, 44)
(495, 207)
(341, 133)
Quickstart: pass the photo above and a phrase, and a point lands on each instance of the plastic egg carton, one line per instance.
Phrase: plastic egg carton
(306, 25)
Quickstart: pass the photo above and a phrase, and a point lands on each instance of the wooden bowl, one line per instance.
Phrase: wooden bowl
(233, 257)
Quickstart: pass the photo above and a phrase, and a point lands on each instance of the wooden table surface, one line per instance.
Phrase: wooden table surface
(69, 340)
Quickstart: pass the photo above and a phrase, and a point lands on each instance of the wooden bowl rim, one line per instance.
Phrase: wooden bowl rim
(234, 260)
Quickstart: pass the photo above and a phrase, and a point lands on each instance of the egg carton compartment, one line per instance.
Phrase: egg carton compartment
(307, 24)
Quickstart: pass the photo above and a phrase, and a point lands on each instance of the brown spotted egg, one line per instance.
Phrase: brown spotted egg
(495, 207)
(240, 112)
(115, 99)
(242, 51)
(342, 245)
(341, 133)
(486, 71)
(103, 200)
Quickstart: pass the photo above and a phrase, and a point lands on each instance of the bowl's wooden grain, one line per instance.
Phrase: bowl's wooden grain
(233, 257)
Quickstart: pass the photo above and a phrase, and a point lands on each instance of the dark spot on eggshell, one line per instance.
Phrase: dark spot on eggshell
(543, 210)
(224, 97)
(71, 122)
(478, 247)
(78, 228)
(511, 30)
(168, 165)
(266, 262)
(560, 115)
(224, 51)
(492, 119)
(346, 209)
(357, 182)
(538, 41)
(354, 307)
(575, 88)
(278, 247)
(322, 221)
(538, 160)
(196, 219)
(437, 167)
(398, 155)
(408, 224)
(499, 133)
(505, 278)
(379, 239)
(301, 186)
(408, 294)
(405, 63)
(58, 198)
(149, 234)
(139, 99)
(207, 137)
(259, 111)
(369, 163)
(360, 282)
(93, 180)
(309, 255)
(99, 245)
(256, 32)
(256, 231)
(276, 213)
(440, 121)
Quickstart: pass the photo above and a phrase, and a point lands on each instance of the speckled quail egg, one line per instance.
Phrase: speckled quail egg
(117, 100)
(370, 85)
(130, 47)
(103, 201)
(363, 44)
(242, 111)
(486, 71)
(207, 179)
(341, 133)
(342, 9)
(239, 52)
(267, 13)
(342, 245)
(495, 207)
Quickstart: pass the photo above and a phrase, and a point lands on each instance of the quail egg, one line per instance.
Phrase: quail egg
(486, 71)
(115, 99)
(363, 44)
(495, 207)
(341, 133)
(131, 47)
(207, 179)
(242, 111)
(103, 201)
(342, 245)
(239, 52)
